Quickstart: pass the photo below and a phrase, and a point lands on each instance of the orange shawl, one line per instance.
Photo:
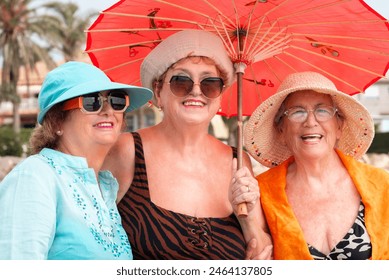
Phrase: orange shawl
(289, 244)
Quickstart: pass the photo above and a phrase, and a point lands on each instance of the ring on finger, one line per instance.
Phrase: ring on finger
(248, 188)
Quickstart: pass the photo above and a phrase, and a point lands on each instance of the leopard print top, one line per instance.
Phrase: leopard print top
(355, 245)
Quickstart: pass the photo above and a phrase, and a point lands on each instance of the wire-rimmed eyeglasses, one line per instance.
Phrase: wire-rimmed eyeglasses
(300, 114)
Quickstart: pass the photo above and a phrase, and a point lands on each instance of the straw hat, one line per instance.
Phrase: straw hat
(191, 42)
(260, 136)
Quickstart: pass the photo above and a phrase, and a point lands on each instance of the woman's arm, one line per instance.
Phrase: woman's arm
(27, 213)
(244, 188)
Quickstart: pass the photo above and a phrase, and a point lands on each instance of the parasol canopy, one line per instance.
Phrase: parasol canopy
(345, 40)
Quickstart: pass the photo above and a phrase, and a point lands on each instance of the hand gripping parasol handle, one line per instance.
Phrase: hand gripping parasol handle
(242, 207)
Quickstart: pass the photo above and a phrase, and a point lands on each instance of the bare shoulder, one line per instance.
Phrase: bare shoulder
(149, 134)
(121, 162)
(123, 150)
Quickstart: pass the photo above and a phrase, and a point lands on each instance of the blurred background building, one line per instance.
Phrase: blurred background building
(375, 99)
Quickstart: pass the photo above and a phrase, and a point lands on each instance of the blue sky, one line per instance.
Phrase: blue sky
(381, 6)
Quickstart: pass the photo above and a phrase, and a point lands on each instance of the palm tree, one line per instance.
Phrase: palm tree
(19, 25)
(28, 35)
(66, 31)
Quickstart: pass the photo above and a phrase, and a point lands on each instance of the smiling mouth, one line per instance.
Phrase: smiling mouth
(311, 137)
(193, 103)
(104, 124)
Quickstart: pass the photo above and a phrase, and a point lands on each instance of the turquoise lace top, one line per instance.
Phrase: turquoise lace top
(52, 207)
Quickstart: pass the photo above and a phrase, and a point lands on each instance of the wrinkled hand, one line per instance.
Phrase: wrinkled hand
(243, 188)
(257, 252)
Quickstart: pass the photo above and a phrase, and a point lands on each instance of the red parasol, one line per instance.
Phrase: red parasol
(345, 40)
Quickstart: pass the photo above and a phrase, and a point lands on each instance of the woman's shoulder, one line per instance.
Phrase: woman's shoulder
(362, 167)
(34, 170)
(220, 145)
(125, 138)
(372, 171)
(121, 152)
(34, 163)
(124, 143)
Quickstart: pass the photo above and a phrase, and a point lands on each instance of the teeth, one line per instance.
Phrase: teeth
(311, 136)
(104, 124)
(193, 103)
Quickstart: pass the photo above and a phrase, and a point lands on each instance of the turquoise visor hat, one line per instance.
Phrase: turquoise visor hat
(73, 79)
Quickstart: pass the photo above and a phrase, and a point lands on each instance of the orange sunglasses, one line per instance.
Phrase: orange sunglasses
(93, 103)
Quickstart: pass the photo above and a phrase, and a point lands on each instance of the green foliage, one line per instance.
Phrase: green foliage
(9, 143)
(29, 32)
(380, 143)
(12, 144)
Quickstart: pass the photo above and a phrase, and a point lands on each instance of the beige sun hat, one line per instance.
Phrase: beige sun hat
(191, 42)
(260, 136)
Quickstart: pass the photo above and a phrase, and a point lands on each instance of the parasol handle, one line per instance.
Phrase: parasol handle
(242, 207)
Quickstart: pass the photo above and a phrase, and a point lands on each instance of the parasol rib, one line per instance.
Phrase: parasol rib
(312, 9)
(326, 23)
(121, 46)
(343, 37)
(129, 30)
(339, 61)
(277, 45)
(345, 47)
(122, 64)
(324, 71)
(229, 45)
(197, 12)
(152, 17)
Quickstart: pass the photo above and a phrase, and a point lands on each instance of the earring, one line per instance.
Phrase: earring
(59, 132)
(220, 109)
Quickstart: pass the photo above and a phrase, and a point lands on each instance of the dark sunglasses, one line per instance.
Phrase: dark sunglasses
(211, 87)
(93, 103)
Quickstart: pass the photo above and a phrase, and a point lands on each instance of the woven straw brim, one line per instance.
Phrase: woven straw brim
(261, 138)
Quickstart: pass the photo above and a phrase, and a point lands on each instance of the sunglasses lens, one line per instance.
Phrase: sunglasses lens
(91, 102)
(181, 85)
(212, 87)
(117, 100)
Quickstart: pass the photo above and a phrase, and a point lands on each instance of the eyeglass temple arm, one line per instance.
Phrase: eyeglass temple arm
(72, 104)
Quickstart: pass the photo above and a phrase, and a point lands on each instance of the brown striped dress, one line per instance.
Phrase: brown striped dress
(159, 234)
